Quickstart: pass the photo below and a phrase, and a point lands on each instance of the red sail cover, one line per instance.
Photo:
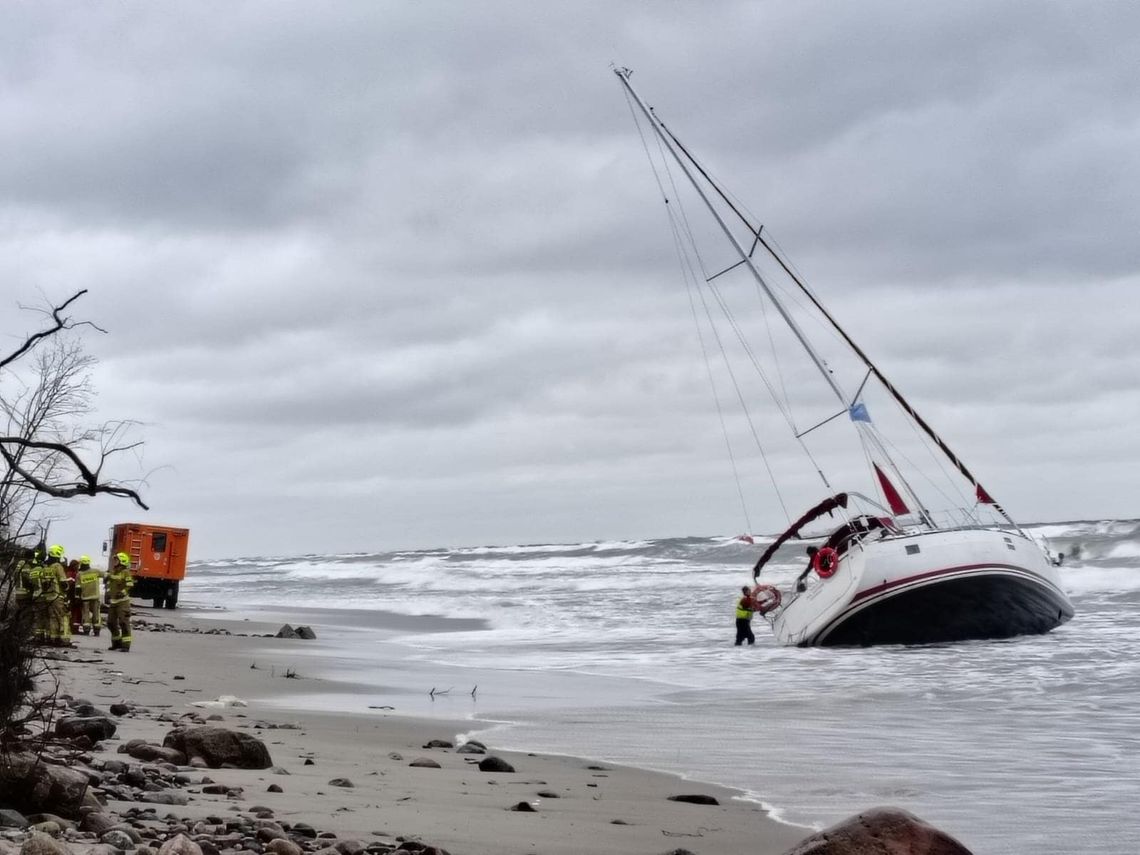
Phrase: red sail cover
(839, 500)
(898, 506)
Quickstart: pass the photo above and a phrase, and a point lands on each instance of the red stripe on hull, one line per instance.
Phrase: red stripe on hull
(932, 574)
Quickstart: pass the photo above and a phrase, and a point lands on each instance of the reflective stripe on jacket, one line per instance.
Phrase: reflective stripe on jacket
(89, 584)
(32, 583)
(53, 581)
(119, 583)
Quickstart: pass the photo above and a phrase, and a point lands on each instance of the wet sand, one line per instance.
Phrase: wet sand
(578, 808)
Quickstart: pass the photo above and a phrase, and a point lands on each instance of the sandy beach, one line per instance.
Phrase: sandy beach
(579, 805)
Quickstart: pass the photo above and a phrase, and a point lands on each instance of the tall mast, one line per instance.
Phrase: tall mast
(623, 76)
(865, 429)
(979, 491)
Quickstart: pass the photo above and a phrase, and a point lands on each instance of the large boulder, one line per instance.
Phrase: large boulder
(97, 822)
(41, 844)
(32, 785)
(880, 831)
(218, 747)
(148, 752)
(12, 819)
(492, 763)
(94, 727)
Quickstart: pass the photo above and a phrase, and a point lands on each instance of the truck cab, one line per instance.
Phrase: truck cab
(158, 559)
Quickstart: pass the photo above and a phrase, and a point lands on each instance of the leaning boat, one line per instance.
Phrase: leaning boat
(889, 570)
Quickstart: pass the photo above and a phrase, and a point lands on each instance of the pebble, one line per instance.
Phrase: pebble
(139, 830)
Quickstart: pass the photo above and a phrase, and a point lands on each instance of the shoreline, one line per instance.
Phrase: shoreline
(387, 624)
(587, 804)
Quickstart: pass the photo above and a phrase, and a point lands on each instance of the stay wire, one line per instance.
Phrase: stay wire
(689, 276)
(743, 403)
(686, 242)
(694, 282)
(689, 288)
(726, 310)
(778, 253)
(782, 405)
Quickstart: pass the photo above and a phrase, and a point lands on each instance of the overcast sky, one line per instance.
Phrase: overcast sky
(388, 275)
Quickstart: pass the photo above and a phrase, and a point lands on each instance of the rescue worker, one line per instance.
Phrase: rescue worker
(35, 572)
(119, 582)
(55, 592)
(744, 608)
(91, 614)
(23, 587)
(74, 613)
(801, 580)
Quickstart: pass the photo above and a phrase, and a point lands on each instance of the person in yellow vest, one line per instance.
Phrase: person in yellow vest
(22, 590)
(119, 583)
(55, 589)
(74, 607)
(35, 572)
(91, 616)
(744, 608)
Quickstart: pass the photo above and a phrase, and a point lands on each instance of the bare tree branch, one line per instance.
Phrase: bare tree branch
(61, 323)
(88, 485)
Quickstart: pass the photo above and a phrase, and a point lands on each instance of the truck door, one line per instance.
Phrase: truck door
(177, 563)
(158, 561)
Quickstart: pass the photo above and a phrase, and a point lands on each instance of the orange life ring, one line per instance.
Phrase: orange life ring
(825, 562)
(766, 598)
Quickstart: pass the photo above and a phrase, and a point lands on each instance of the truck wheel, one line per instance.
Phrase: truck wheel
(172, 596)
(158, 602)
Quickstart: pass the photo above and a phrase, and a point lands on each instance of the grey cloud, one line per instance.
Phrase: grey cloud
(378, 266)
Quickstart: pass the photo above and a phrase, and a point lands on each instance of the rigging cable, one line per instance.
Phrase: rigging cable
(690, 283)
(676, 222)
(726, 310)
(982, 494)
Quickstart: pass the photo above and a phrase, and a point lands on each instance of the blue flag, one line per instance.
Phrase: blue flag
(859, 413)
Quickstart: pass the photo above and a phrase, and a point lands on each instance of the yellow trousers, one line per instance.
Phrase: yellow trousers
(92, 615)
(119, 622)
(40, 619)
(58, 621)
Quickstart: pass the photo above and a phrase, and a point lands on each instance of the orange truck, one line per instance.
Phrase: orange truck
(158, 559)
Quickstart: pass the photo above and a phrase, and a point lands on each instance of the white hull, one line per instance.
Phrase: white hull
(928, 587)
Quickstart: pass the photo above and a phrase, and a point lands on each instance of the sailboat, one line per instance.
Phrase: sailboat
(887, 570)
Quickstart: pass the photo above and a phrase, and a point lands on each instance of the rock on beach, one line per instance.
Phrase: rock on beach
(880, 831)
(28, 783)
(218, 747)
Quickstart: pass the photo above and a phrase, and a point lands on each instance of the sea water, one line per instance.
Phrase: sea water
(623, 651)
